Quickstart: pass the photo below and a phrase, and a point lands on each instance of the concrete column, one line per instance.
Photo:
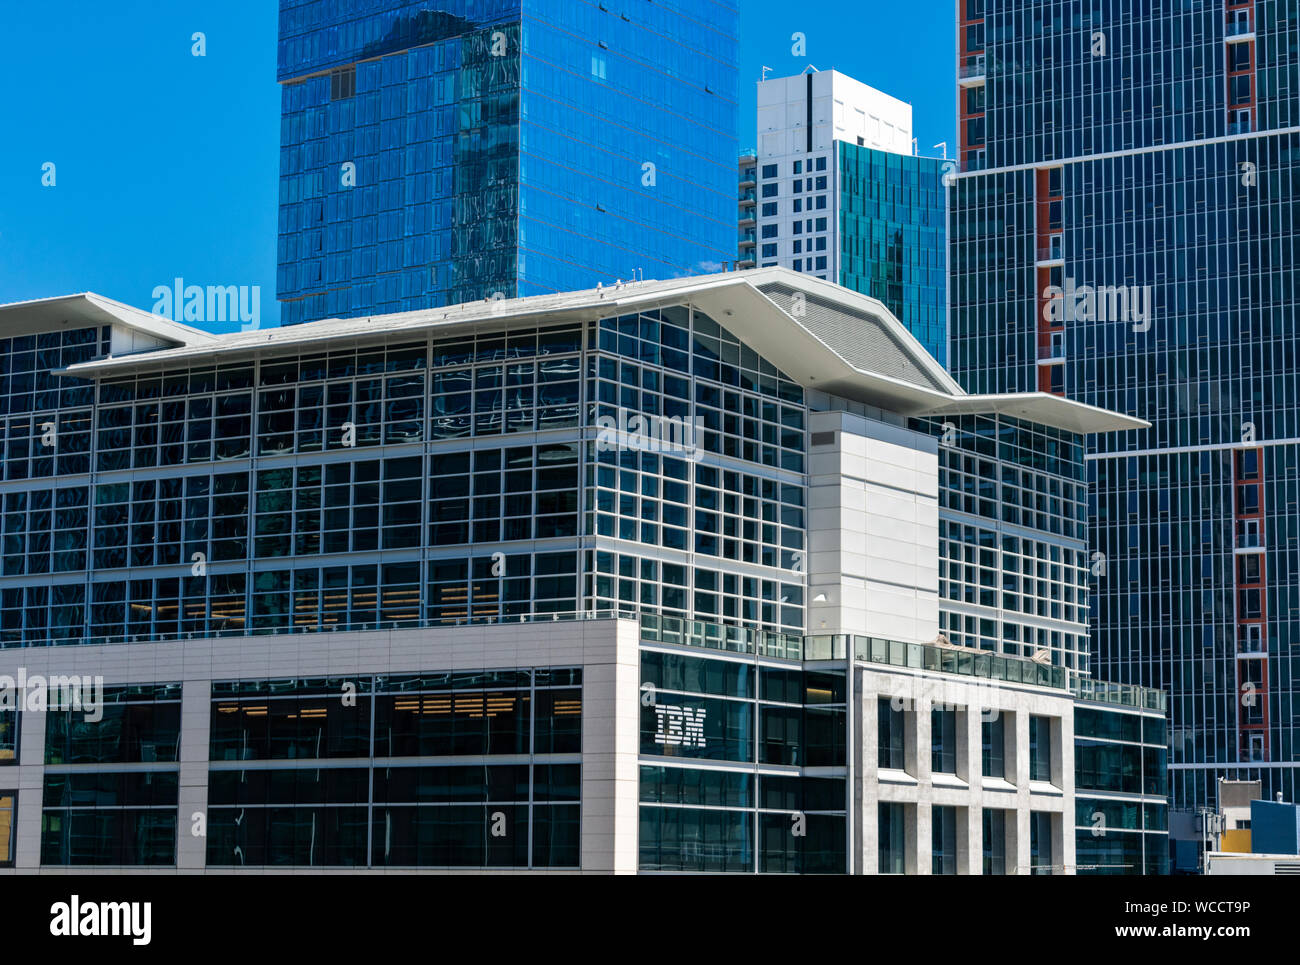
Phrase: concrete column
(1066, 784)
(866, 790)
(917, 744)
(969, 841)
(1021, 780)
(1010, 747)
(919, 846)
(968, 744)
(611, 722)
(29, 782)
(974, 824)
(196, 722)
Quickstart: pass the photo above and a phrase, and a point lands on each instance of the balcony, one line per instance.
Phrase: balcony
(725, 639)
(970, 73)
(1250, 645)
(749, 196)
(1052, 255)
(1241, 127)
(1239, 32)
(963, 661)
(1248, 538)
(1124, 695)
(747, 237)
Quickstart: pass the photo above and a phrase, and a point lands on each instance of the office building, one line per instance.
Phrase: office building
(442, 151)
(640, 578)
(1121, 234)
(834, 190)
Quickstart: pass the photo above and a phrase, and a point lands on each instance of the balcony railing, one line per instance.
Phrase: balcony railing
(1124, 695)
(726, 639)
(446, 623)
(894, 653)
(924, 656)
(1243, 28)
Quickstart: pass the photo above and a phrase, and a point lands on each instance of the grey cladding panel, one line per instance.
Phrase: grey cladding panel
(859, 338)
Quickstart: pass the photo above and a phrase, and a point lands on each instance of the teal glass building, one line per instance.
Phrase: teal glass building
(834, 190)
(893, 237)
(435, 152)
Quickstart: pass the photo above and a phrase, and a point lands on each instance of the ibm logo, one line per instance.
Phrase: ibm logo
(679, 726)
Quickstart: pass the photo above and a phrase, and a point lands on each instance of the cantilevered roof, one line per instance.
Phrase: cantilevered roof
(87, 309)
(821, 335)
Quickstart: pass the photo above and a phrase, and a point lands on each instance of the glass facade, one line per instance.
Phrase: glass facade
(891, 838)
(1121, 792)
(724, 747)
(943, 741)
(454, 770)
(871, 220)
(468, 474)
(1040, 749)
(892, 221)
(407, 483)
(427, 149)
(943, 839)
(891, 727)
(993, 734)
(8, 826)
(100, 806)
(1124, 234)
(8, 736)
(994, 832)
(1040, 843)
(1013, 529)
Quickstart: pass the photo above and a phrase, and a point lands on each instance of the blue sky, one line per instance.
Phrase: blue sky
(165, 164)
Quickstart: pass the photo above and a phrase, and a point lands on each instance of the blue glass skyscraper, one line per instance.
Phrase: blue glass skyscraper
(1124, 232)
(442, 151)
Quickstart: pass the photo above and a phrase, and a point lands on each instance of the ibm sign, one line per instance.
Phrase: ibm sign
(679, 726)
